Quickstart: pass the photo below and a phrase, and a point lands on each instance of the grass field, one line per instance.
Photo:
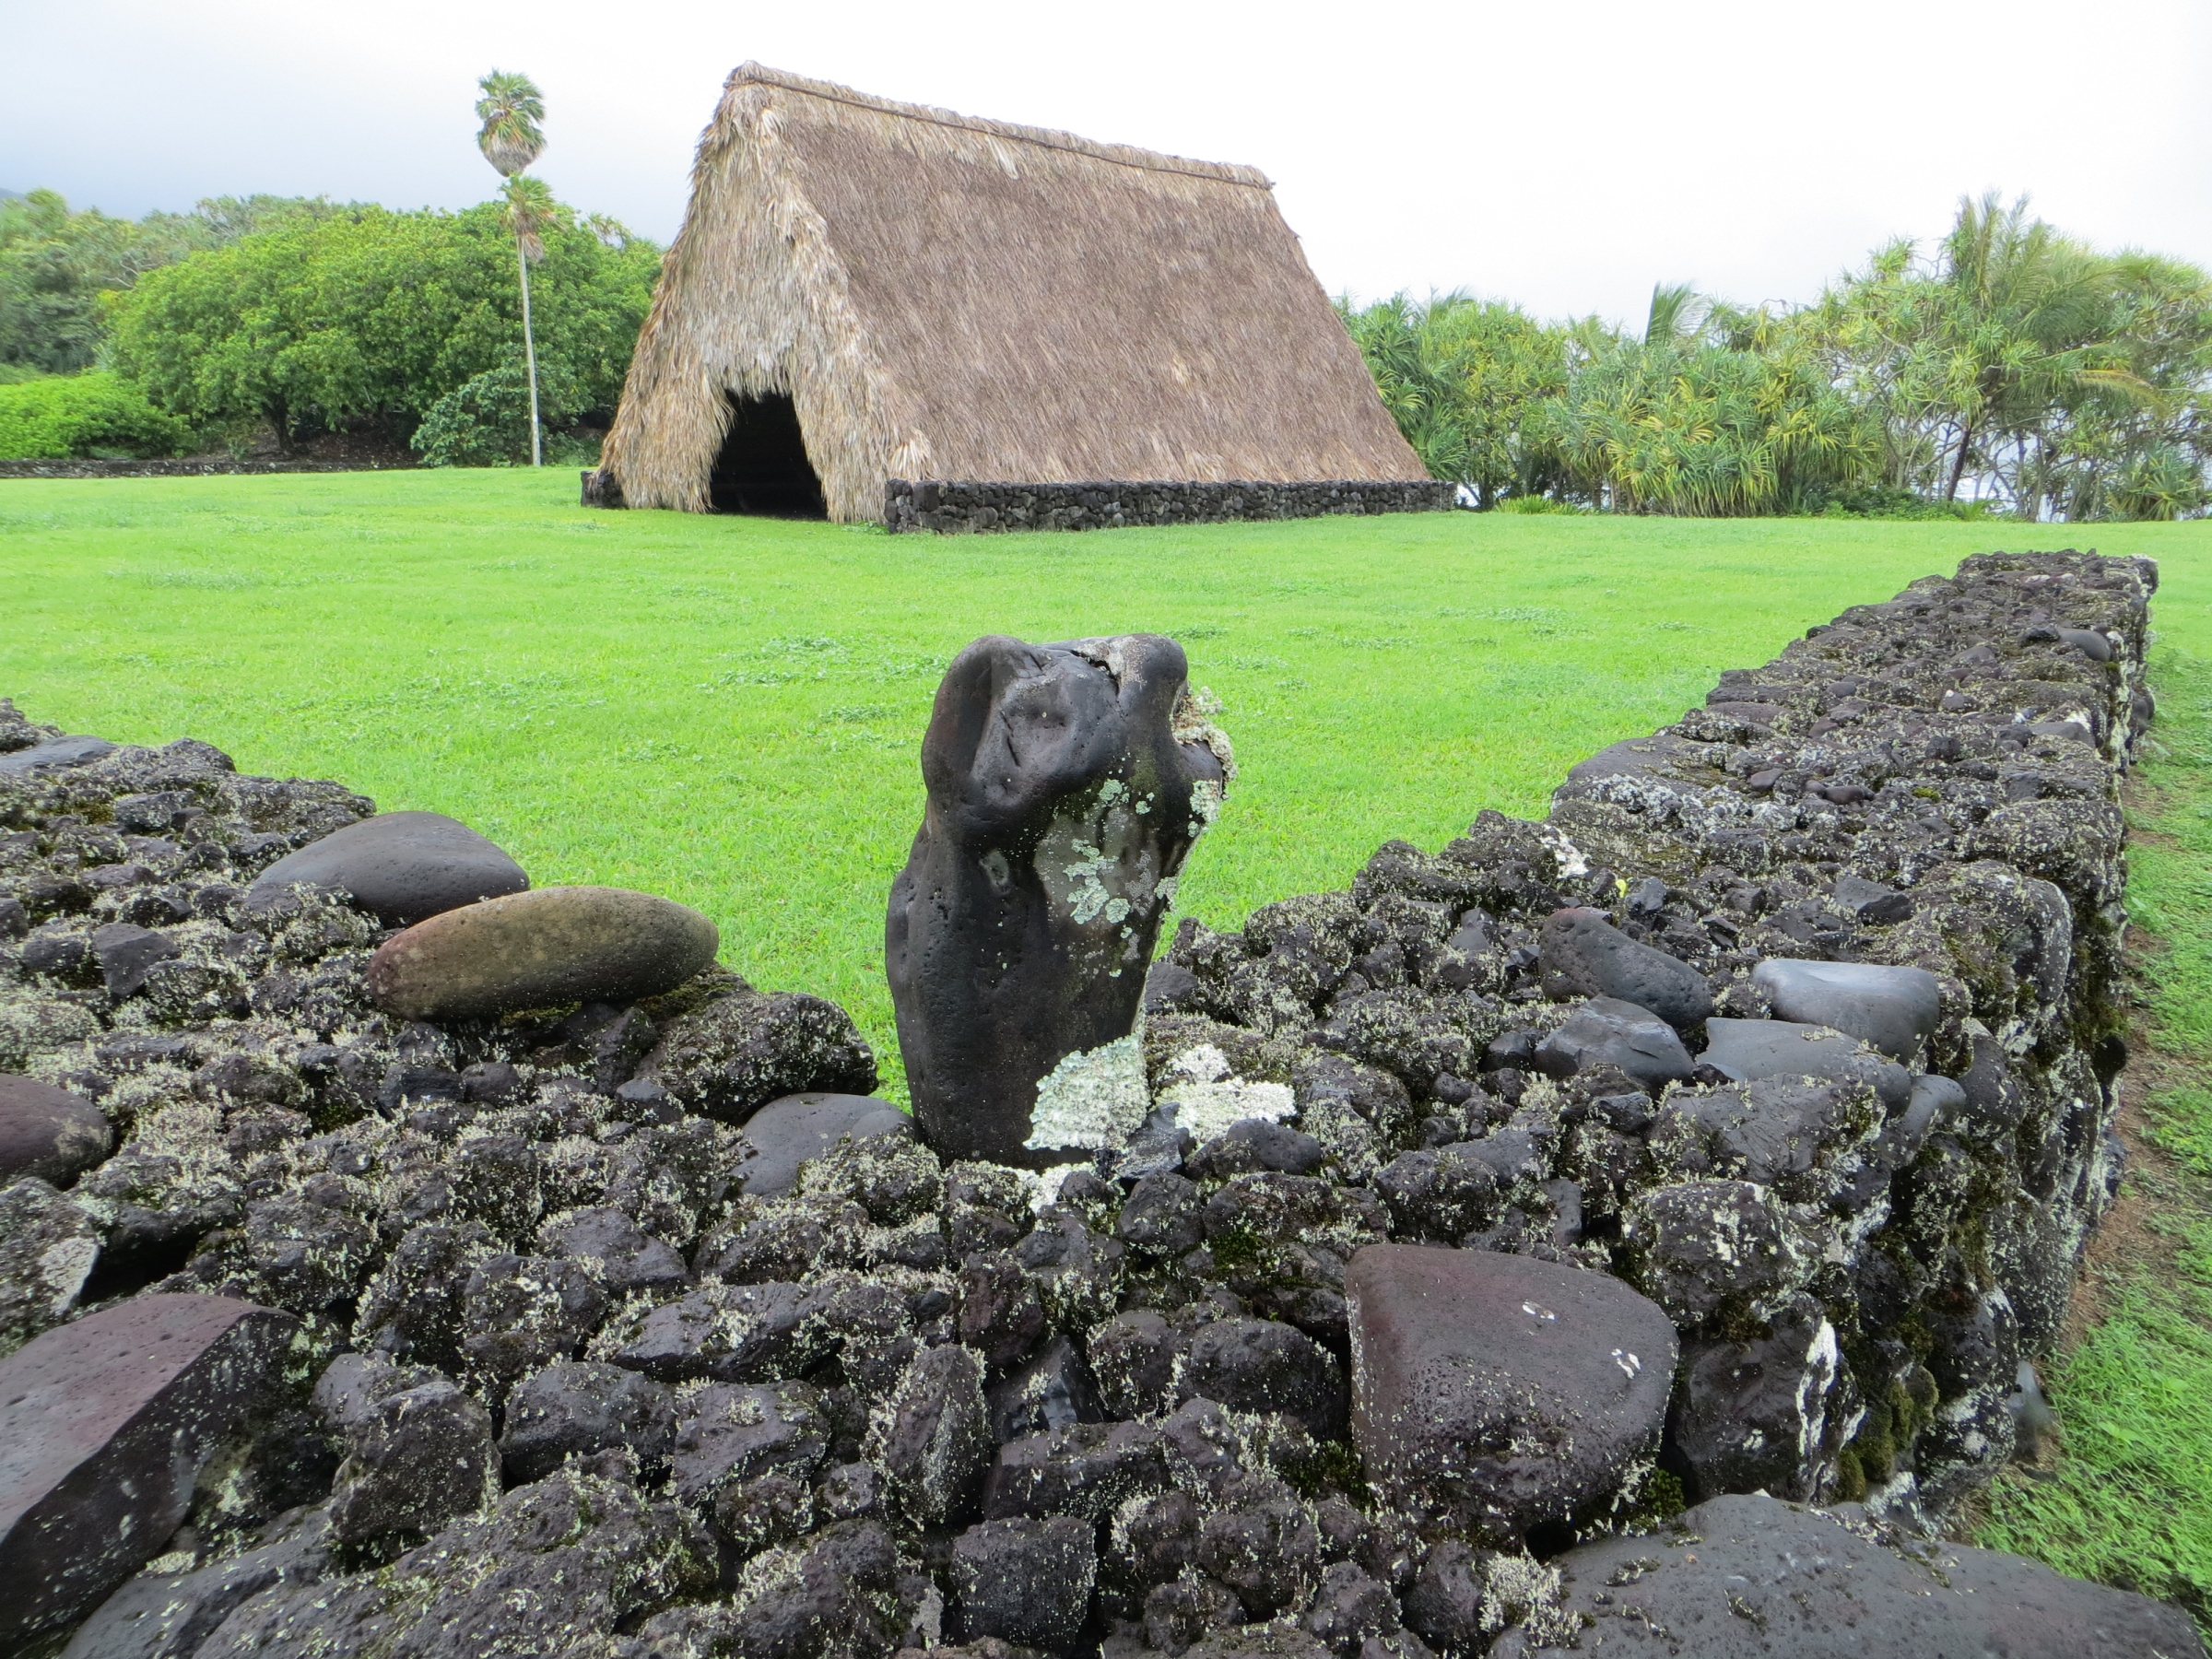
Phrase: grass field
(728, 711)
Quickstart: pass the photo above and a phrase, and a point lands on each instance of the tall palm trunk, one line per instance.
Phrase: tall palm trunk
(1966, 444)
(537, 446)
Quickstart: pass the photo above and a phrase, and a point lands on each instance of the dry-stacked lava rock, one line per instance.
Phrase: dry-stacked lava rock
(586, 1332)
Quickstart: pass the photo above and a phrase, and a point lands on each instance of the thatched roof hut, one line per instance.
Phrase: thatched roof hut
(913, 294)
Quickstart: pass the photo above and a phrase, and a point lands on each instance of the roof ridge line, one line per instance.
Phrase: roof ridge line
(1122, 154)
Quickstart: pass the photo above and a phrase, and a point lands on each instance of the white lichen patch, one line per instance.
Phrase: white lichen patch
(1093, 1098)
(1521, 1591)
(1040, 1188)
(63, 1270)
(1207, 1098)
(1571, 858)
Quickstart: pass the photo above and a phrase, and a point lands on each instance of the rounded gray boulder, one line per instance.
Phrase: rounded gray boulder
(539, 949)
(403, 867)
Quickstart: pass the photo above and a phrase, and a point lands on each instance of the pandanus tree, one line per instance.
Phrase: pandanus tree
(511, 139)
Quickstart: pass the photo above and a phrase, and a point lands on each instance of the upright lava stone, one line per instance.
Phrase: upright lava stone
(1494, 1393)
(538, 949)
(104, 1425)
(401, 866)
(1067, 783)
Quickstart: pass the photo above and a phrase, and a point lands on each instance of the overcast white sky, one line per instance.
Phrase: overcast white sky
(1566, 156)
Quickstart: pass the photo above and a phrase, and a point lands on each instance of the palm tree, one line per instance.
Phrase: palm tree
(511, 139)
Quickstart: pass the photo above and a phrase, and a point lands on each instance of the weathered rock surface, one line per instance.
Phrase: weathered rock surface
(788, 1132)
(167, 1615)
(1494, 1393)
(1067, 783)
(1894, 1009)
(403, 867)
(48, 1132)
(1026, 1580)
(1584, 955)
(1607, 1031)
(1756, 1576)
(1747, 1049)
(539, 949)
(578, 1408)
(104, 1426)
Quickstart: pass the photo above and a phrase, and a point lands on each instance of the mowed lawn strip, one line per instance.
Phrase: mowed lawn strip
(728, 711)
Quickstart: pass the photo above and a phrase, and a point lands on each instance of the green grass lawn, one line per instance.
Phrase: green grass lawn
(728, 711)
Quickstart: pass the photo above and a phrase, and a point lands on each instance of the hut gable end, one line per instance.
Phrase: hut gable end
(959, 298)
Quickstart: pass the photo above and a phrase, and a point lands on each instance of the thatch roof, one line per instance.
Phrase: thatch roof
(950, 298)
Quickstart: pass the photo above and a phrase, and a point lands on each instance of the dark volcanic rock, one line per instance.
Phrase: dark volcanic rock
(727, 1435)
(485, 1586)
(1067, 783)
(169, 1615)
(48, 1248)
(578, 1409)
(788, 1132)
(1739, 1577)
(933, 1439)
(1584, 955)
(1026, 1580)
(403, 867)
(743, 1052)
(52, 754)
(1053, 1390)
(539, 949)
(1493, 1393)
(1747, 1050)
(1752, 1416)
(1607, 1031)
(48, 1132)
(1255, 1144)
(833, 1594)
(129, 955)
(618, 1254)
(1087, 1469)
(1263, 1365)
(1704, 1247)
(415, 1458)
(1894, 1009)
(104, 1425)
(726, 1332)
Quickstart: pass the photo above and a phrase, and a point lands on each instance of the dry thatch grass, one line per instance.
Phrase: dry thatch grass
(950, 298)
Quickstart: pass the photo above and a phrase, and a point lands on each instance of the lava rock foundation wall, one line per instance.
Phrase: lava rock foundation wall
(932, 505)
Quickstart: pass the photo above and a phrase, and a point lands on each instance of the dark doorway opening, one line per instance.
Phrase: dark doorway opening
(763, 466)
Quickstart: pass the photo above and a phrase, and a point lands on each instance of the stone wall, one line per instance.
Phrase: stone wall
(1733, 1131)
(1929, 784)
(935, 505)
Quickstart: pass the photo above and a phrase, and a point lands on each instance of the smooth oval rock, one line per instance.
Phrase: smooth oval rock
(1747, 1050)
(1491, 1392)
(788, 1132)
(1584, 955)
(1893, 1008)
(539, 949)
(403, 867)
(48, 1132)
(1606, 1030)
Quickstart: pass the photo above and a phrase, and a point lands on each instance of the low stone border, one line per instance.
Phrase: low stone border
(933, 505)
(176, 469)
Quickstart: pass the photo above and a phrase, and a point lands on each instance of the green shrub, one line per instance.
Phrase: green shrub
(94, 415)
(1883, 501)
(1536, 504)
(485, 421)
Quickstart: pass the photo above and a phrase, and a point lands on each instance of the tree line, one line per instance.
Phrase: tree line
(2010, 369)
(287, 319)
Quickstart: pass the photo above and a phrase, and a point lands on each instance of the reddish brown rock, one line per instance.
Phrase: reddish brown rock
(537, 949)
(1493, 1393)
(104, 1425)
